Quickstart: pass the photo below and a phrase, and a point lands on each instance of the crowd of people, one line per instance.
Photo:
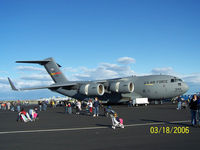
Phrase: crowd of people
(10, 106)
(92, 108)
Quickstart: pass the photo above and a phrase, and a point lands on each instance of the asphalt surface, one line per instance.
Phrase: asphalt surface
(57, 130)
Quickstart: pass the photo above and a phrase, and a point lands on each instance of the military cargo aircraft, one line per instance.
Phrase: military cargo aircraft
(154, 87)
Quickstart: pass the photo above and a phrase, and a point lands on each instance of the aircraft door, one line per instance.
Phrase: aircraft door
(165, 91)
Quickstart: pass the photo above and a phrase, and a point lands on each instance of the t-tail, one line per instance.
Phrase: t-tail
(52, 68)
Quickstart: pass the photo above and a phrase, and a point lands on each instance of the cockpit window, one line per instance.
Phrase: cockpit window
(176, 80)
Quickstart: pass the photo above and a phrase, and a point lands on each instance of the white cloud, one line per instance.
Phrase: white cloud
(192, 78)
(22, 84)
(30, 68)
(3, 72)
(104, 71)
(166, 71)
(3, 80)
(41, 78)
(126, 60)
(94, 74)
(4, 87)
(117, 68)
(37, 77)
(69, 69)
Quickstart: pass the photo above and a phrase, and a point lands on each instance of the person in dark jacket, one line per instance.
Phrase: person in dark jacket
(193, 107)
(198, 107)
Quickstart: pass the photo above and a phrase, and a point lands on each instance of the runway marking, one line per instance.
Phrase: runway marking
(91, 128)
(157, 123)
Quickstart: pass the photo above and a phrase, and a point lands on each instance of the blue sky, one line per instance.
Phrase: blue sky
(89, 37)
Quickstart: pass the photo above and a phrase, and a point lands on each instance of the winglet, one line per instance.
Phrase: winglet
(12, 85)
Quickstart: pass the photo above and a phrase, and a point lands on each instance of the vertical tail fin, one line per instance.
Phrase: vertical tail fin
(52, 68)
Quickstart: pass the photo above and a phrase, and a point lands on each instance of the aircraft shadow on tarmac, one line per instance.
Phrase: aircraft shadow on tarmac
(82, 113)
(165, 122)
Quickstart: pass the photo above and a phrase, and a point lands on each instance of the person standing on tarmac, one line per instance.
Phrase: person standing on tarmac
(198, 107)
(18, 107)
(96, 107)
(40, 105)
(90, 106)
(66, 107)
(69, 108)
(193, 108)
(78, 105)
(179, 103)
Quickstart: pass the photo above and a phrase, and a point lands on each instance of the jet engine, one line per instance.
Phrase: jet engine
(92, 89)
(122, 87)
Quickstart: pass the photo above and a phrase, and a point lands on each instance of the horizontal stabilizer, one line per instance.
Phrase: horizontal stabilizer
(41, 62)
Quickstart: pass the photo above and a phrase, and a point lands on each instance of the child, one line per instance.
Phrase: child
(23, 116)
(90, 106)
(116, 121)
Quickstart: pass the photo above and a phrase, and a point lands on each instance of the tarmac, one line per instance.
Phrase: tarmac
(146, 127)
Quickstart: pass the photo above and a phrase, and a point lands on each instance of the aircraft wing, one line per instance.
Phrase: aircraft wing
(12, 85)
(107, 80)
(41, 87)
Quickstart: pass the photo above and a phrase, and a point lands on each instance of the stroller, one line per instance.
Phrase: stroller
(107, 111)
(33, 115)
(116, 121)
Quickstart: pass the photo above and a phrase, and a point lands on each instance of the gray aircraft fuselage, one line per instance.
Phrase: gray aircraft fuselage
(154, 87)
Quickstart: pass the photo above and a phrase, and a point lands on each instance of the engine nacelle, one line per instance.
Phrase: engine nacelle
(92, 89)
(122, 87)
